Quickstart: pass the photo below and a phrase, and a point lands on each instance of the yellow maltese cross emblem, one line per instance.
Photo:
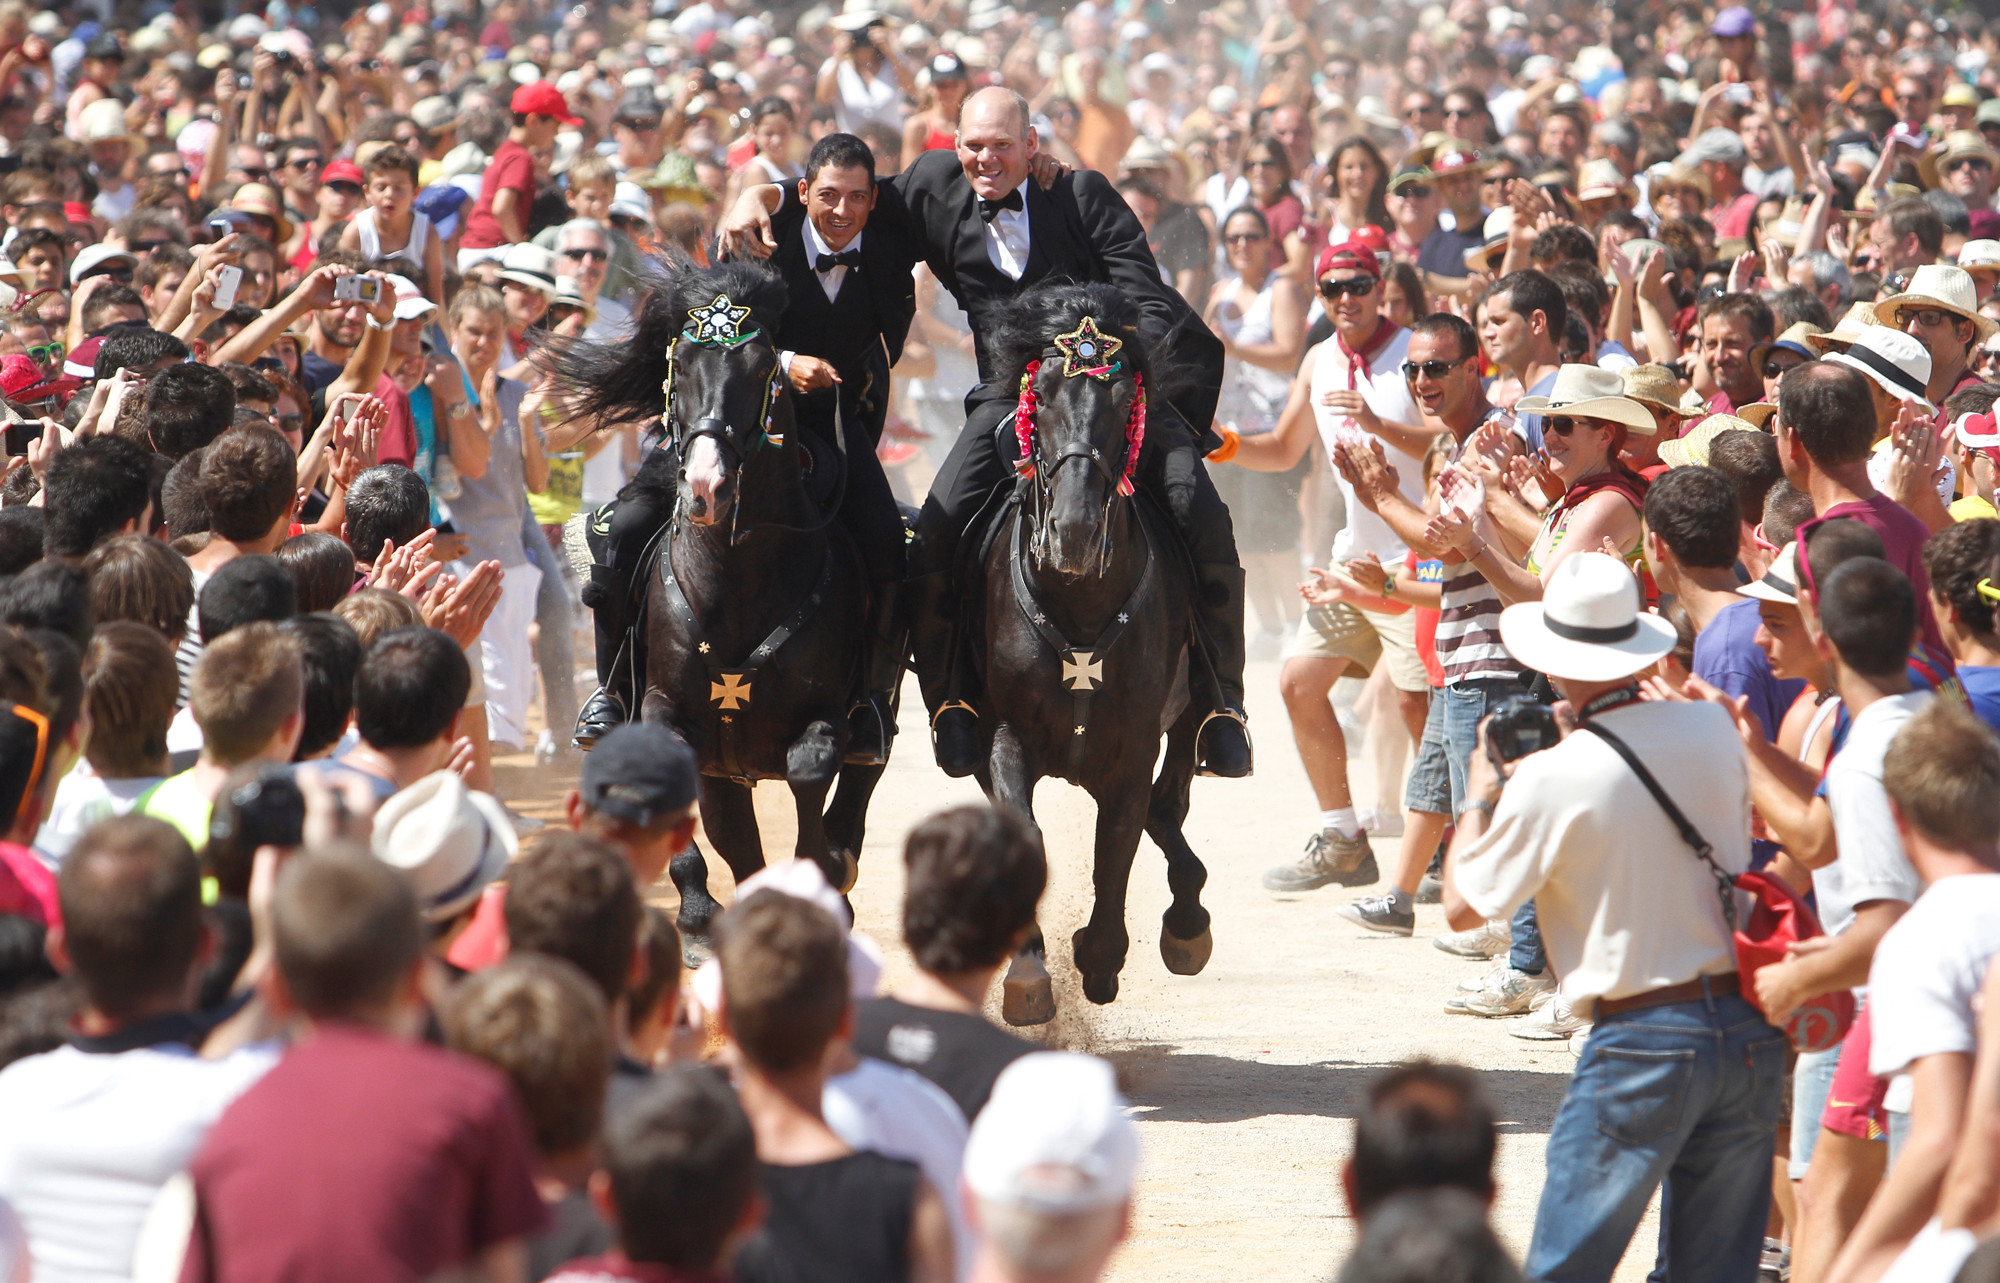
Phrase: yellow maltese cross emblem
(1088, 350)
(1083, 670)
(720, 322)
(731, 692)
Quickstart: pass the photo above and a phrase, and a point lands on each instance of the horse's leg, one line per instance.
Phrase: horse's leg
(731, 823)
(1185, 942)
(810, 766)
(1026, 996)
(846, 820)
(1099, 948)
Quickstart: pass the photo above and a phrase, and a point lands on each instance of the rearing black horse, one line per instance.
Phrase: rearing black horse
(756, 605)
(1082, 627)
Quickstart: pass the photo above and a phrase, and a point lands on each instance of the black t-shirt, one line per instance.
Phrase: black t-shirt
(844, 1221)
(959, 1052)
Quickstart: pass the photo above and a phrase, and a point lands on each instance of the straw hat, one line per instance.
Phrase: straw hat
(1486, 256)
(1601, 180)
(1757, 414)
(1653, 385)
(1693, 448)
(262, 199)
(1858, 318)
(1956, 145)
(1588, 626)
(1792, 340)
(1789, 225)
(1948, 289)
(1588, 392)
(1681, 176)
(1979, 253)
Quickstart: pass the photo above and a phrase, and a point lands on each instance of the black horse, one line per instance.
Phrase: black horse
(756, 607)
(1082, 627)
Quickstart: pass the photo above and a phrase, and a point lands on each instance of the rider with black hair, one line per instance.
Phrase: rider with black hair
(849, 303)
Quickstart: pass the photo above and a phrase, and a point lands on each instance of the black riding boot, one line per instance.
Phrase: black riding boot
(610, 705)
(1223, 746)
(933, 615)
(872, 722)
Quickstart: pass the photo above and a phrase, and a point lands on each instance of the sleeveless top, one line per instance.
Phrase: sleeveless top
(773, 172)
(371, 239)
(1556, 523)
(940, 139)
(1252, 396)
(845, 1221)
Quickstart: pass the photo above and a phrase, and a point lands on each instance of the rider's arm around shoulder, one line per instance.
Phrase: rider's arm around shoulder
(1283, 446)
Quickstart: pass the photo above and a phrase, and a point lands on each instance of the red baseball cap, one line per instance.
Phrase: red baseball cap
(18, 373)
(1354, 255)
(542, 99)
(343, 171)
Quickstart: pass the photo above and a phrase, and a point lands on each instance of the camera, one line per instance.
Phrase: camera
(357, 289)
(1518, 726)
(283, 57)
(269, 810)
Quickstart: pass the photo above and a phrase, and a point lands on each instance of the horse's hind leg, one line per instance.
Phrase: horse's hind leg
(1099, 948)
(846, 820)
(1026, 995)
(810, 766)
(1185, 940)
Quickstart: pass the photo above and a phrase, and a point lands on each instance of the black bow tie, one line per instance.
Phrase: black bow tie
(990, 209)
(846, 258)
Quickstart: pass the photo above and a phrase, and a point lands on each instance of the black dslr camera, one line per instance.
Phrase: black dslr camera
(1517, 727)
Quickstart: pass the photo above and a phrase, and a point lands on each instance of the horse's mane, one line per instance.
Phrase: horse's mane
(1024, 327)
(619, 380)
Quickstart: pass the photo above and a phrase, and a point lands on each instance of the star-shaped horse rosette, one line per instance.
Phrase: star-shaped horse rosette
(720, 323)
(1089, 350)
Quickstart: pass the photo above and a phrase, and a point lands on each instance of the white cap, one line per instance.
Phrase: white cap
(410, 301)
(94, 258)
(629, 200)
(802, 880)
(1053, 1136)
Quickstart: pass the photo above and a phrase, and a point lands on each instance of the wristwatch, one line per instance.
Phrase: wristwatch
(374, 324)
(459, 410)
(1388, 585)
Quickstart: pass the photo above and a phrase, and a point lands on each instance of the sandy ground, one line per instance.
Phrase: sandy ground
(1245, 1079)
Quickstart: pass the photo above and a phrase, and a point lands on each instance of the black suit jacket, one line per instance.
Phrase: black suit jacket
(883, 275)
(1080, 229)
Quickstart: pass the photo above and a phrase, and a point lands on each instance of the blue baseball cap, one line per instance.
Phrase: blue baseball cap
(639, 773)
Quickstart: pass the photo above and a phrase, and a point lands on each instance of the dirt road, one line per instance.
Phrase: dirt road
(1245, 1079)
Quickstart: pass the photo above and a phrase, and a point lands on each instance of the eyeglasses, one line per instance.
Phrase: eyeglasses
(1451, 112)
(1357, 287)
(1431, 369)
(291, 423)
(1246, 238)
(1776, 366)
(47, 353)
(41, 725)
(1989, 356)
(594, 255)
(1413, 191)
(1928, 316)
(1262, 164)
(1562, 424)
(1424, 110)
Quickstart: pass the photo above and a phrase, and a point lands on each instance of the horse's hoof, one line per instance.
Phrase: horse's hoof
(1101, 989)
(1026, 996)
(697, 947)
(845, 869)
(1186, 957)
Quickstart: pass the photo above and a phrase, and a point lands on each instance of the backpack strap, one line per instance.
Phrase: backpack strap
(1725, 885)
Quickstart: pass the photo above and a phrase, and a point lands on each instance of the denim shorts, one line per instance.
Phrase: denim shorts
(1436, 783)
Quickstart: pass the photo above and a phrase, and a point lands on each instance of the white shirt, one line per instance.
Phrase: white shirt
(902, 1114)
(1870, 864)
(1624, 903)
(91, 1137)
(1935, 1255)
(1927, 972)
(1387, 393)
(816, 245)
(83, 797)
(866, 100)
(1007, 237)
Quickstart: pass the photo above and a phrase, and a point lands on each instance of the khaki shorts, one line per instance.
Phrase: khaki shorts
(1361, 637)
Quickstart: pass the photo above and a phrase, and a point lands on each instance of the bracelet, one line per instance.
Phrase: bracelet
(1232, 441)
(374, 324)
(1478, 804)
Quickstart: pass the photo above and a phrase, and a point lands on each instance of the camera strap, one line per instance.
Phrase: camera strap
(1725, 885)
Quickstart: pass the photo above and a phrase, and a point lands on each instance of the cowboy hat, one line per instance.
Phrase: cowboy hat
(1786, 229)
(1601, 180)
(1588, 392)
(1957, 145)
(1653, 385)
(1859, 317)
(1485, 256)
(1757, 414)
(1979, 253)
(1588, 626)
(1780, 582)
(1896, 362)
(262, 200)
(448, 840)
(1693, 448)
(1792, 340)
(1948, 289)
(1672, 176)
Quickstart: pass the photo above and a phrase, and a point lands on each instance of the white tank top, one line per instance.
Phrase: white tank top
(371, 239)
(1388, 395)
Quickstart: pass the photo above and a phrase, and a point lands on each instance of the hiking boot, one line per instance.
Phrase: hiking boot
(1329, 857)
(1551, 1019)
(1379, 913)
(1488, 940)
(1431, 889)
(1509, 994)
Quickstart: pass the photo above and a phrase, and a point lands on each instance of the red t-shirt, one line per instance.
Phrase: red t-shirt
(399, 433)
(27, 888)
(511, 168)
(1903, 538)
(603, 1269)
(362, 1156)
(483, 943)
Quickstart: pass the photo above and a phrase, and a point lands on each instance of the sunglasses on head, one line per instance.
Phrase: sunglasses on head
(1356, 288)
(41, 725)
(1431, 369)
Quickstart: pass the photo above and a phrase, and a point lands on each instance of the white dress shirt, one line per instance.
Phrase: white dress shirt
(815, 246)
(1007, 237)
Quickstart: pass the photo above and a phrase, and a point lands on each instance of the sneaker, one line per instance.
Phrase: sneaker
(1381, 824)
(1487, 977)
(1379, 913)
(1550, 1019)
(1431, 889)
(1775, 1264)
(1329, 857)
(1508, 995)
(1490, 940)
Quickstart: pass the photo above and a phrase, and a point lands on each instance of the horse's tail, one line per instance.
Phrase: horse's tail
(618, 380)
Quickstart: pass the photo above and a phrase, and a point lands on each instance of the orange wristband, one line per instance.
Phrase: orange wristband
(1232, 440)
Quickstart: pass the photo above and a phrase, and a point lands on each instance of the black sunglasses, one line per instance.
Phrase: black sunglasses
(1356, 288)
(1431, 369)
(596, 255)
(345, 188)
(1413, 191)
(1561, 424)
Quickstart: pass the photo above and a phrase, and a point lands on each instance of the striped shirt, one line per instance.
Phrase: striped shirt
(1468, 630)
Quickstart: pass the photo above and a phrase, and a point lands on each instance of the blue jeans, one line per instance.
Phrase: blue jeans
(1687, 1094)
(1459, 709)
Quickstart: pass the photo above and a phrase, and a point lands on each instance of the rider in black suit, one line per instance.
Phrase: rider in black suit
(850, 300)
(988, 233)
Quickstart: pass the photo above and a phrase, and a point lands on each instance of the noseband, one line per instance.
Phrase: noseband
(1086, 352)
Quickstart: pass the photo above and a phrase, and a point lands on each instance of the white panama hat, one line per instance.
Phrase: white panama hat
(1588, 626)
